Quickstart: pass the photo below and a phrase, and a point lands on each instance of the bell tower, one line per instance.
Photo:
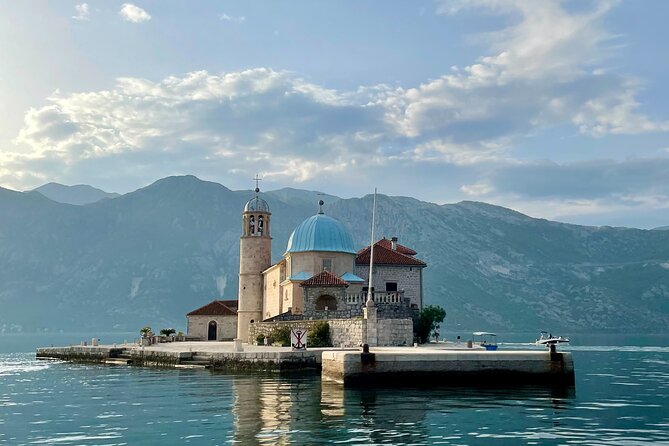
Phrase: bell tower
(255, 256)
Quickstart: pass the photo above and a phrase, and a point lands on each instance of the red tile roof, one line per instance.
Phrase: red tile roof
(326, 278)
(389, 245)
(386, 256)
(217, 308)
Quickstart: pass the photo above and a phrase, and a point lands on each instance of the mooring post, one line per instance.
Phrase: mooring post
(367, 359)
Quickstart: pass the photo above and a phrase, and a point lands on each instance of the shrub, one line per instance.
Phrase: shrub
(319, 335)
(260, 339)
(280, 336)
(427, 321)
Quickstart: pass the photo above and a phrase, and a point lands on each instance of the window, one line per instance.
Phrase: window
(327, 265)
(391, 286)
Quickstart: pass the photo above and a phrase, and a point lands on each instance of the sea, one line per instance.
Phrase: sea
(621, 397)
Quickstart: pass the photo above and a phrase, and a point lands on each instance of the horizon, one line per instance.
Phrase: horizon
(251, 191)
(554, 108)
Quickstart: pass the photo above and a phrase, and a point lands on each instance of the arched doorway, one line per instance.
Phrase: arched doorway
(211, 336)
(325, 300)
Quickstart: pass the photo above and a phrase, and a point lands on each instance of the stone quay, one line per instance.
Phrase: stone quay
(440, 365)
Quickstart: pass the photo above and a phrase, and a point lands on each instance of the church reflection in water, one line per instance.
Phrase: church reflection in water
(269, 409)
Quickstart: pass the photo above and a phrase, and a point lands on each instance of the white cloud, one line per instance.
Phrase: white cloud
(83, 12)
(295, 129)
(476, 190)
(546, 68)
(134, 14)
(229, 18)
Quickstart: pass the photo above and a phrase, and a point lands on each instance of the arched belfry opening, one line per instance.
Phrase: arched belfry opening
(256, 217)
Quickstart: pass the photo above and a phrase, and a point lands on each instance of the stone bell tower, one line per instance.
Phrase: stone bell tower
(255, 256)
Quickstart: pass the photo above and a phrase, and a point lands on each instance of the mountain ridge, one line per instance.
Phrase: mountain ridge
(152, 255)
(78, 194)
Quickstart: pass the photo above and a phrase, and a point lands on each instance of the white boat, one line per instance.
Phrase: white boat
(548, 339)
(486, 340)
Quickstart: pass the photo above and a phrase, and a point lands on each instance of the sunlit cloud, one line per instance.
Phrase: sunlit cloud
(531, 78)
(134, 14)
(83, 12)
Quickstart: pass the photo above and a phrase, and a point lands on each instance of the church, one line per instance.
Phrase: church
(321, 276)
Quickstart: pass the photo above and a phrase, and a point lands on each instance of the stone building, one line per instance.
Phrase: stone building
(397, 273)
(216, 321)
(320, 276)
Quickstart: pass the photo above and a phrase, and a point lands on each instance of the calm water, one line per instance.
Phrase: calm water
(621, 397)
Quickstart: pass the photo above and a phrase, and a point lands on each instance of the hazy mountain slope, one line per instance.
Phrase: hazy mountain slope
(79, 195)
(495, 268)
(154, 254)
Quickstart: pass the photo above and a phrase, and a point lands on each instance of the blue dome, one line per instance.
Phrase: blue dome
(320, 233)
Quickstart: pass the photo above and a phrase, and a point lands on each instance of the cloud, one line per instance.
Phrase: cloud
(564, 190)
(228, 18)
(134, 14)
(592, 179)
(545, 69)
(83, 12)
(242, 120)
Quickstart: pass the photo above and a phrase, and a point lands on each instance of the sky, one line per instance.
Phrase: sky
(557, 109)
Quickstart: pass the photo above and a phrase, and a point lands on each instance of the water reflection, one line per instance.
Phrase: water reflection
(621, 399)
(284, 410)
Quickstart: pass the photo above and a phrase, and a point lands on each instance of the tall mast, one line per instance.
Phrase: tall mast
(370, 298)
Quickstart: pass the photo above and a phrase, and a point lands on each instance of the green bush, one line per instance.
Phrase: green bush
(319, 335)
(280, 336)
(427, 321)
(260, 339)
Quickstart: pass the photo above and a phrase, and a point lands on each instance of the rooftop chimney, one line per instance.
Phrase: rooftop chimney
(393, 243)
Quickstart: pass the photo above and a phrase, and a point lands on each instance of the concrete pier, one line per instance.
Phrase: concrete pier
(396, 366)
(417, 367)
(216, 356)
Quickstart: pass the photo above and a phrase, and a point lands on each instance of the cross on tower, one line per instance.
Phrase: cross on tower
(257, 179)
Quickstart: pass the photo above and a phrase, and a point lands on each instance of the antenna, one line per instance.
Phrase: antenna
(370, 294)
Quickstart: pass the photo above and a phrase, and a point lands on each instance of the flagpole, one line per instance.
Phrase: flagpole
(370, 294)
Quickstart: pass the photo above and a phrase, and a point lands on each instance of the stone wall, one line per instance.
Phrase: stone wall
(408, 278)
(346, 332)
(266, 328)
(395, 332)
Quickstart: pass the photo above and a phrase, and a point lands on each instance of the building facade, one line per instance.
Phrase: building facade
(216, 321)
(320, 276)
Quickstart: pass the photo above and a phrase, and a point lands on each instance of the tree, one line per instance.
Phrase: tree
(167, 331)
(145, 332)
(428, 321)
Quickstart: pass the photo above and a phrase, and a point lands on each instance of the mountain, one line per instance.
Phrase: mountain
(150, 256)
(79, 195)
